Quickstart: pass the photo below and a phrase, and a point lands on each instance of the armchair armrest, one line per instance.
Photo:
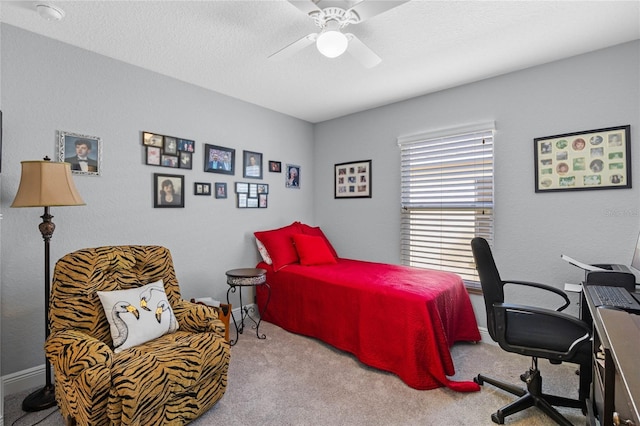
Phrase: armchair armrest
(196, 318)
(544, 287)
(72, 352)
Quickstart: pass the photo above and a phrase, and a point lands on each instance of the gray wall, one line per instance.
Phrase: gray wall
(49, 86)
(591, 91)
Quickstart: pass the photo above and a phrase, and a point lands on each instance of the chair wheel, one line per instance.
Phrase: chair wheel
(497, 418)
(478, 380)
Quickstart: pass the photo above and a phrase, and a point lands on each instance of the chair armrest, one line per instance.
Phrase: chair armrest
(544, 287)
(198, 318)
(552, 320)
(72, 352)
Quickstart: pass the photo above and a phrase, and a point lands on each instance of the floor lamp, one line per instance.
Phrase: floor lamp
(45, 184)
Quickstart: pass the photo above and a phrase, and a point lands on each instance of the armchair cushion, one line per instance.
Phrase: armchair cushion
(137, 315)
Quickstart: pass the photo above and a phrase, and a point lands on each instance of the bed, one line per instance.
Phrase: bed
(395, 318)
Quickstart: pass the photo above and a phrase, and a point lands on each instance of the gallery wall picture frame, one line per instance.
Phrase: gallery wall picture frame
(184, 159)
(219, 159)
(83, 152)
(353, 179)
(221, 189)
(168, 151)
(251, 195)
(168, 190)
(292, 176)
(275, 167)
(201, 188)
(251, 165)
(154, 154)
(585, 160)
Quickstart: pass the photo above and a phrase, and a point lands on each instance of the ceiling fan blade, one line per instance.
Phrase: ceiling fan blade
(361, 52)
(306, 6)
(368, 9)
(294, 47)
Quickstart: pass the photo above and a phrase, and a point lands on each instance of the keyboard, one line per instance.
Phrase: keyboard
(616, 297)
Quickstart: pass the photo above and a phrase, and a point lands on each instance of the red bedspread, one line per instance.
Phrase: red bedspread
(391, 317)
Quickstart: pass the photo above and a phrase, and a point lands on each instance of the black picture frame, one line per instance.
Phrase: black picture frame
(185, 160)
(585, 160)
(275, 167)
(202, 188)
(251, 195)
(160, 183)
(219, 159)
(251, 165)
(221, 189)
(353, 179)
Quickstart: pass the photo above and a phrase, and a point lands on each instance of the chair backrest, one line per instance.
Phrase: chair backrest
(492, 285)
(78, 275)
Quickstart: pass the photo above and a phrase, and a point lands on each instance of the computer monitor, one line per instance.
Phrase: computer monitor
(635, 262)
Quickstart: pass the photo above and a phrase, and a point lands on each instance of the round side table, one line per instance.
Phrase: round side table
(247, 277)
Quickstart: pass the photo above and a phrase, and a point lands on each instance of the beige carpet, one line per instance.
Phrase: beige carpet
(288, 379)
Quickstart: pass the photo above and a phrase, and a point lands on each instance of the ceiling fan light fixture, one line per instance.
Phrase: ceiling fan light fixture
(331, 41)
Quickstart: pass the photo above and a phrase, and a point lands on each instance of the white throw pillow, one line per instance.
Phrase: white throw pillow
(138, 315)
(263, 252)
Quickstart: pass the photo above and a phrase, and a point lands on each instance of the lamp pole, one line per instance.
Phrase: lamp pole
(45, 397)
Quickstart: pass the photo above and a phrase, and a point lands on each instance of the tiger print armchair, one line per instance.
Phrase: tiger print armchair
(171, 379)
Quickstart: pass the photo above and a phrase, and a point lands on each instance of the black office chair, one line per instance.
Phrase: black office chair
(534, 332)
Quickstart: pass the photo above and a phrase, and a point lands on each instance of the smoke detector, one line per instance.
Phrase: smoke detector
(49, 12)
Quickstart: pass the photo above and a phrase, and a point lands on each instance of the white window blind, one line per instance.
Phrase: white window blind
(447, 198)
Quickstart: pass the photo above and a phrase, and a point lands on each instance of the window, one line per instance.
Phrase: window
(447, 198)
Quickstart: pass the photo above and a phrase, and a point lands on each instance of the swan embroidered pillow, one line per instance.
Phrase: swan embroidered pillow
(137, 315)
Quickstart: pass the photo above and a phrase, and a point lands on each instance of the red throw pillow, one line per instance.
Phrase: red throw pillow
(313, 250)
(317, 232)
(279, 244)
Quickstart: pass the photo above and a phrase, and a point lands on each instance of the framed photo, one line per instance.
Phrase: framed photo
(292, 178)
(83, 152)
(218, 159)
(275, 167)
(186, 145)
(251, 195)
(168, 151)
(168, 190)
(153, 155)
(152, 139)
(170, 145)
(170, 161)
(185, 160)
(251, 165)
(353, 180)
(201, 188)
(221, 190)
(592, 159)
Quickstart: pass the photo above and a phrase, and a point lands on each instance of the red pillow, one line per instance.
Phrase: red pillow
(279, 244)
(313, 250)
(308, 230)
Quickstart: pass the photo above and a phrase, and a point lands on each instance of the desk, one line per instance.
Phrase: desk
(246, 277)
(615, 392)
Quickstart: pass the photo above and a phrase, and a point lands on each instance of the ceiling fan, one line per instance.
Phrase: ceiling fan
(331, 41)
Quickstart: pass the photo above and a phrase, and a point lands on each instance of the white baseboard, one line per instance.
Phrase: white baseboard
(23, 380)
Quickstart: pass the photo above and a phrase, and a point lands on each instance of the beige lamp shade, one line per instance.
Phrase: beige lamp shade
(45, 184)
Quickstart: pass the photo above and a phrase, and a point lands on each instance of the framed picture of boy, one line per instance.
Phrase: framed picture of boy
(83, 152)
(251, 165)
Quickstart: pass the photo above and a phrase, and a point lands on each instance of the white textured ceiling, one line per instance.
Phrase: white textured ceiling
(425, 46)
